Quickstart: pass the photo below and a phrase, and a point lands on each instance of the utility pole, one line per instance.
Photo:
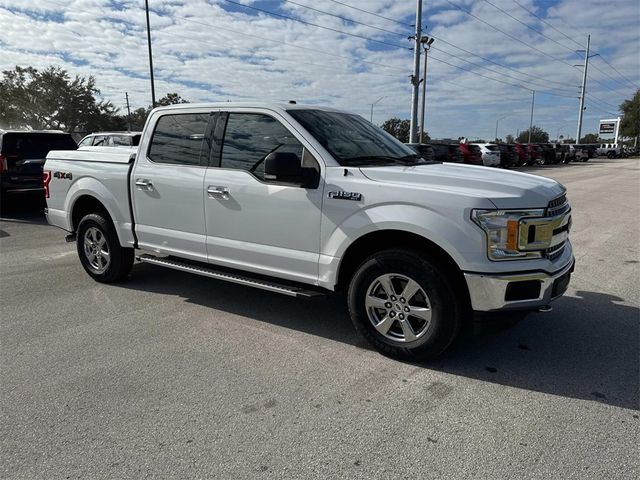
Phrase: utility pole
(126, 95)
(153, 88)
(426, 43)
(415, 78)
(533, 100)
(583, 89)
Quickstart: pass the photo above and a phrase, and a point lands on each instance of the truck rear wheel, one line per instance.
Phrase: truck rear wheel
(404, 303)
(99, 249)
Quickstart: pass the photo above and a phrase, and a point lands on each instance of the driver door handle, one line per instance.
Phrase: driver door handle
(144, 184)
(218, 192)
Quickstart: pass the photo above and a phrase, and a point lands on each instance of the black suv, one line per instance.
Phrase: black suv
(22, 155)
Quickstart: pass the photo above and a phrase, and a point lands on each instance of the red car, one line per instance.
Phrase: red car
(522, 154)
(471, 154)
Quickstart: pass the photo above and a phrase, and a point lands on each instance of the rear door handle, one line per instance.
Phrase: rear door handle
(144, 184)
(218, 192)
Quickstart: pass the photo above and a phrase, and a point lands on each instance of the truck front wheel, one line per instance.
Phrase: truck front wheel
(405, 304)
(99, 249)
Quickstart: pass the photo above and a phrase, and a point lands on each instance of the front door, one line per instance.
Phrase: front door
(167, 187)
(252, 223)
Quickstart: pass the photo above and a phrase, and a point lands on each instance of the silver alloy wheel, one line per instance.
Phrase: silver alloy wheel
(398, 307)
(96, 249)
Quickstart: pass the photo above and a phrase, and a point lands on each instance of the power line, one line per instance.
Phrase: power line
(508, 34)
(528, 26)
(574, 41)
(547, 23)
(440, 39)
(615, 70)
(371, 13)
(288, 17)
(538, 85)
(403, 35)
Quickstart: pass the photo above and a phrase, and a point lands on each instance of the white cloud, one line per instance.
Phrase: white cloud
(213, 50)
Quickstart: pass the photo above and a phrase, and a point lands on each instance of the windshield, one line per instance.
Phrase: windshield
(354, 141)
(493, 148)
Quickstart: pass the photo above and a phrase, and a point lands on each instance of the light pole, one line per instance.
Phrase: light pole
(426, 45)
(497, 122)
(533, 101)
(374, 103)
(415, 77)
(153, 88)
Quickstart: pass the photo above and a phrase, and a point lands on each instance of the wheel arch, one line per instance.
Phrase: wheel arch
(379, 240)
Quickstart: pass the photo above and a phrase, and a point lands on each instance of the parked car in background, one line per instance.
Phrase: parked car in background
(547, 154)
(583, 152)
(535, 153)
(562, 152)
(22, 155)
(490, 154)
(425, 150)
(610, 150)
(447, 152)
(523, 154)
(111, 139)
(508, 155)
(571, 153)
(471, 153)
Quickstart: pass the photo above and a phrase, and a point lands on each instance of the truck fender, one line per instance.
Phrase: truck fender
(88, 186)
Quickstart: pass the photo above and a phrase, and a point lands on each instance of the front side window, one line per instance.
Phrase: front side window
(250, 137)
(86, 142)
(352, 140)
(100, 141)
(177, 139)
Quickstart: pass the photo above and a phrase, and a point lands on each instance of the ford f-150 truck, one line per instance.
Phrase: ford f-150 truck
(303, 201)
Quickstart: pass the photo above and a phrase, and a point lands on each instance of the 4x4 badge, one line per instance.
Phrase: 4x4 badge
(341, 195)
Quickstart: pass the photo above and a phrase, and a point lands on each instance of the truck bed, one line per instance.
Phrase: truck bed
(75, 176)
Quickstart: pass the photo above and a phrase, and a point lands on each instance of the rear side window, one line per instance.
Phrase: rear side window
(121, 141)
(177, 139)
(86, 142)
(135, 140)
(250, 137)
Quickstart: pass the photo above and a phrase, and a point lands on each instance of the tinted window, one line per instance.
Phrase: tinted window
(135, 140)
(36, 145)
(249, 138)
(177, 139)
(121, 140)
(351, 139)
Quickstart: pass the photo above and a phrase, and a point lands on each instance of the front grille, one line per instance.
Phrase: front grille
(555, 251)
(558, 206)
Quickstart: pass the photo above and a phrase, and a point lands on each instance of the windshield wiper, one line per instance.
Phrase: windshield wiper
(384, 160)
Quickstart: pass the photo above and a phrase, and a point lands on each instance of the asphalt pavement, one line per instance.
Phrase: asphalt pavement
(169, 375)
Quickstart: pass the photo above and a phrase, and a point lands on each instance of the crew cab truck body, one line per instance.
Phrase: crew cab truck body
(308, 200)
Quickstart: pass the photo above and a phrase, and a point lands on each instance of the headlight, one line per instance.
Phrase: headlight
(502, 228)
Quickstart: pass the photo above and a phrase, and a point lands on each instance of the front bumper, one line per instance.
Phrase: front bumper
(521, 291)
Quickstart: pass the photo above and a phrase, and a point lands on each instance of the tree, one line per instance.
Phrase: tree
(630, 123)
(509, 139)
(400, 129)
(51, 99)
(590, 138)
(171, 99)
(538, 135)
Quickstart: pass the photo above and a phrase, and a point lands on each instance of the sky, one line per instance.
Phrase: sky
(487, 57)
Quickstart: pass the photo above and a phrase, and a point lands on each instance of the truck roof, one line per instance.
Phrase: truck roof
(268, 105)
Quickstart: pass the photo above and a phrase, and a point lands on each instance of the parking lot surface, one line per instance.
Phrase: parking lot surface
(169, 375)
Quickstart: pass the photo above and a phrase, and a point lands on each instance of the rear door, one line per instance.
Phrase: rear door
(167, 185)
(253, 223)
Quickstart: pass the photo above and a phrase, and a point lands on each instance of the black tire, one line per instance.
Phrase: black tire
(449, 309)
(120, 259)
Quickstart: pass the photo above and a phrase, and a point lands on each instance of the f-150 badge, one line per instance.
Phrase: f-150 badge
(341, 195)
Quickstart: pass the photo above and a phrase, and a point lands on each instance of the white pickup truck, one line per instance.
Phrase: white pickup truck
(303, 201)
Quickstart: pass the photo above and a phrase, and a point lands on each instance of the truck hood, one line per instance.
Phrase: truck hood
(504, 188)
